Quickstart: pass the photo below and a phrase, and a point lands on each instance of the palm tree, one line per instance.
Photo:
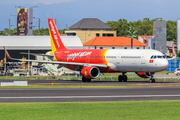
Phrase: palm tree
(132, 34)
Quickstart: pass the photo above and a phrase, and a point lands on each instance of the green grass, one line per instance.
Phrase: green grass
(133, 110)
(30, 77)
(60, 86)
(100, 78)
(105, 77)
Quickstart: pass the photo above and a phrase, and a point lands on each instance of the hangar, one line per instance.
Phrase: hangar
(33, 44)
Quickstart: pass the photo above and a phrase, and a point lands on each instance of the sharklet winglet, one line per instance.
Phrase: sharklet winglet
(7, 54)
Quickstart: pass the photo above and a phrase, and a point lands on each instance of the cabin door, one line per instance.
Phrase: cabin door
(118, 59)
(143, 58)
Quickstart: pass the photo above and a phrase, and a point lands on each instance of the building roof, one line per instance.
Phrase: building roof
(146, 37)
(90, 23)
(113, 41)
(36, 42)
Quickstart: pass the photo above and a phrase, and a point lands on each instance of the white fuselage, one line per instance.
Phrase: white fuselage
(136, 60)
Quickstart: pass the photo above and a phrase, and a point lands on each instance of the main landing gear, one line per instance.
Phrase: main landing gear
(152, 80)
(85, 79)
(122, 78)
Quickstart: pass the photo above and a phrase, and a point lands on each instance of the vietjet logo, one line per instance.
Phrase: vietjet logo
(151, 61)
(78, 55)
(85, 72)
(55, 36)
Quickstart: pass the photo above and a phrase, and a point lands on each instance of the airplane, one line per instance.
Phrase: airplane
(92, 62)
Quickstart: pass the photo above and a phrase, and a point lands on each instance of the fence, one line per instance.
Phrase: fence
(163, 76)
(173, 64)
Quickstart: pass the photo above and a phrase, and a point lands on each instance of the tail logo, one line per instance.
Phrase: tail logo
(55, 36)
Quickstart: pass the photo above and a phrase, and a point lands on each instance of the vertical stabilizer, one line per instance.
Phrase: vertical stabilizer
(173, 53)
(56, 42)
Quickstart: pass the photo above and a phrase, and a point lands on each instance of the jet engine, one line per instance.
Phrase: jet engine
(144, 74)
(90, 72)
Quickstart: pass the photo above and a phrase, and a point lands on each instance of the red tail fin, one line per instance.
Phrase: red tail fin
(56, 42)
(174, 54)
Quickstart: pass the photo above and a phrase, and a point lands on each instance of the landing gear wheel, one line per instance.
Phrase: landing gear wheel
(152, 80)
(88, 80)
(125, 78)
(85, 79)
(120, 78)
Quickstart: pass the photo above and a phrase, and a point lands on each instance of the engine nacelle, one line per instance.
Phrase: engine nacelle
(90, 72)
(144, 74)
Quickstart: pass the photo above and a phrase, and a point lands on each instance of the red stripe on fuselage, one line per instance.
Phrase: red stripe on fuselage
(93, 56)
(82, 56)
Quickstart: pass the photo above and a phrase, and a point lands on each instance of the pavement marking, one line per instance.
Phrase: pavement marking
(118, 96)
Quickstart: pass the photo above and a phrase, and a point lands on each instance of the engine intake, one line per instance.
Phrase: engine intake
(90, 72)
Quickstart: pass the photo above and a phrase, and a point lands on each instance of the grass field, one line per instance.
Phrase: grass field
(105, 77)
(131, 110)
(61, 86)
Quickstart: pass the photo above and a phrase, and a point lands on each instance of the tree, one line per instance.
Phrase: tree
(8, 32)
(143, 28)
(132, 34)
(42, 31)
(171, 31)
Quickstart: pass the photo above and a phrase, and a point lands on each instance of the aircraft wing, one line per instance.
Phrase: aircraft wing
(55, 62)
(34, 54)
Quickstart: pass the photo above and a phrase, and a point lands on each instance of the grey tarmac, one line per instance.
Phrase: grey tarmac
(89, 94)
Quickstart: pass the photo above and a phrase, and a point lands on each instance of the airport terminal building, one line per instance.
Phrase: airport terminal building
(33, 44)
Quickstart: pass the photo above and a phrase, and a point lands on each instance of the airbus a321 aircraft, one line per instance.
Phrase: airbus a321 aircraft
(92, 62)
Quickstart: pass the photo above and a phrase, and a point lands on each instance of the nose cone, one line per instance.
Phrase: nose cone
(163, 64)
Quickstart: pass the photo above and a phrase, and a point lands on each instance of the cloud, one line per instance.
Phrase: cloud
(15, 2)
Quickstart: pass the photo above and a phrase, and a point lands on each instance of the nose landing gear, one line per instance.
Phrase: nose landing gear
(152, 80)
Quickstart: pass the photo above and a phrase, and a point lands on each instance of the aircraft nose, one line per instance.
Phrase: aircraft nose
(164, 64)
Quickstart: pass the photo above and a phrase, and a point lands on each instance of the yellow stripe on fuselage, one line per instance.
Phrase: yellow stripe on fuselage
(104, 54)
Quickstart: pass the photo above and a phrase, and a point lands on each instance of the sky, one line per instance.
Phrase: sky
(71, 11)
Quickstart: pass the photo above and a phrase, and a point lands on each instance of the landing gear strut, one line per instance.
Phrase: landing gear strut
(152, 80)
(122, 78)
(85, 79)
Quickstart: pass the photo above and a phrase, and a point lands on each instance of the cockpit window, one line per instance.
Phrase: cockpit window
(158, 56)
(152, 57)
